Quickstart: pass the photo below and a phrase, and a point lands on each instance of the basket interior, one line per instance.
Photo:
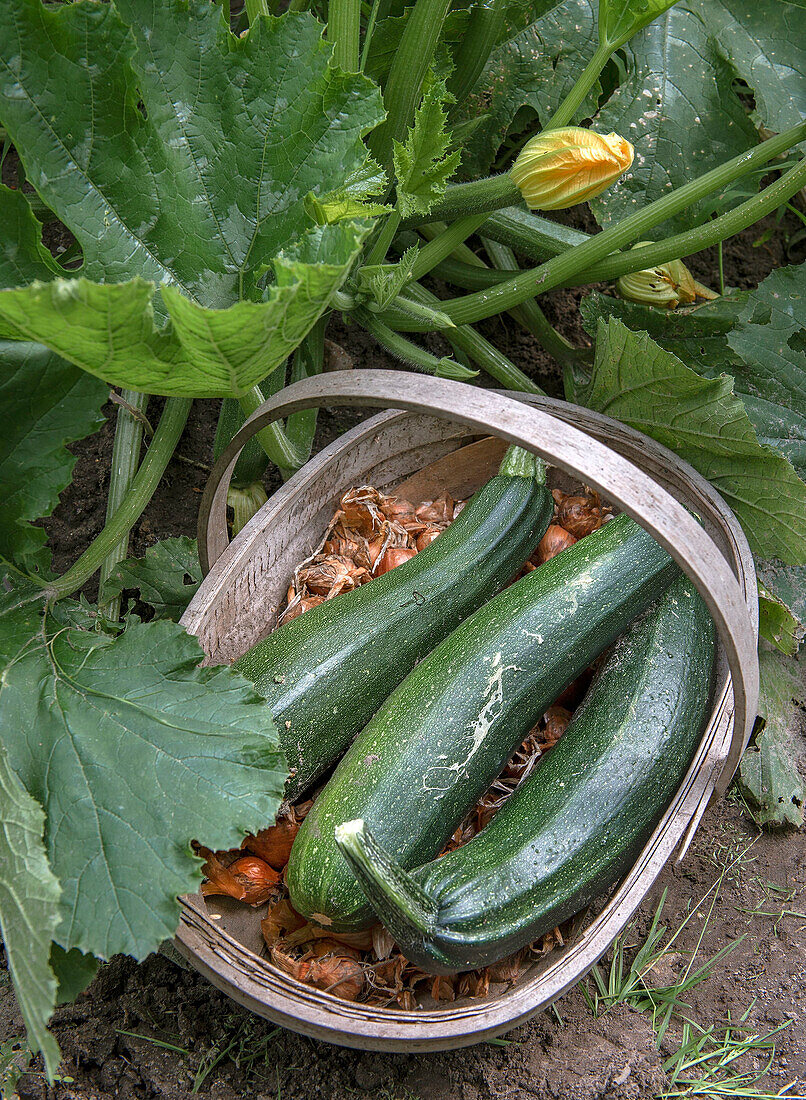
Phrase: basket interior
(421, 456)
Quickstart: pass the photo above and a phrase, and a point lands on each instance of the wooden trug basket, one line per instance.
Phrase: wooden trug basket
(236, 605)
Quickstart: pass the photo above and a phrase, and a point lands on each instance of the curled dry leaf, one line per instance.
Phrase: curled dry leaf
(382, 941)
(442, 988)
(281, 919)
(397, 508)
(299, 606)
(438, 512)
(507, 970)
(474, 983)
(274, 844)
(555, 540)
(330, 967)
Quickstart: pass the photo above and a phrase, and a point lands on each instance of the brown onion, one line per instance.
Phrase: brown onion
(248, 879)
(555, 540)
(393, 557)
(426, 537)
(580, 515)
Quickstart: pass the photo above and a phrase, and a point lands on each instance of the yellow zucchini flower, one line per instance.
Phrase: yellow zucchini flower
(665, 285)
(561, 168)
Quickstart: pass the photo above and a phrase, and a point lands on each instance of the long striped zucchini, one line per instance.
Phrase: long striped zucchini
(575, 826)
(441, 738)
(326, 672)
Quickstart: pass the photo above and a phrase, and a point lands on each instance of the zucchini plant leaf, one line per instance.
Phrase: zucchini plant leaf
(353, 199)
(678, 104)
(29, 913)
(768, 772)
(381, 283)
(133, 750)
(108, 329)
(166, 578)
(640, 383)
(787, 582)
(423, 165)
(46, 402)
(763, 41)
(719, 337)
(621, 19)
(195, 174)
(777, 624)
(678, 108)
(769, 340)
(528, 74)
(74, 971)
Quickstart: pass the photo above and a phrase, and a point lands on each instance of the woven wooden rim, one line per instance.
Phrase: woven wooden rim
(527, 421)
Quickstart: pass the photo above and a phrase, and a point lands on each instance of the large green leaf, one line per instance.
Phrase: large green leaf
(619, 20)
(108, 330)
(195, 172)
(166, 578)
(678, 104)
(768, 771)
(770, 343)
(29, 914)
(678, 108)
(46, 402)
(751, 335)
(764, 42)
(530, 71)
(133, 750)
(637, 381)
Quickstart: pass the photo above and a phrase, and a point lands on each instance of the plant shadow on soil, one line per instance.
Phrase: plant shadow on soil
(157, 1030)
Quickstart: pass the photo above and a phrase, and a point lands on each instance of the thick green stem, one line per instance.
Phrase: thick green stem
(529, 314)
(463, 199)
(471, 276)
(407, 351)
(566, 112)
(300, 427)
(486, 20)
(699, 238)
(254, 8)
(373, 17)
(344, 31)
(531, 235)
(401, 93)
(484, 354)
(274, 441)
(125, 460)
(145, 481)
(445, 243)
(404, 306)
(563, 269)
(380, 245)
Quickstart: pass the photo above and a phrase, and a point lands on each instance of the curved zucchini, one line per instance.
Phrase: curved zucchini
(575, 826)
(442, 737)
(326, 672)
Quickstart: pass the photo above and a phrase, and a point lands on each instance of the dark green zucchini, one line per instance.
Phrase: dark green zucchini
(326, 672)
(576, 825)
(441, 738)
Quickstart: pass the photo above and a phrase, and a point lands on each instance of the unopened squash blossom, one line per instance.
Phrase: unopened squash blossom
(563, 167)
(665, 285)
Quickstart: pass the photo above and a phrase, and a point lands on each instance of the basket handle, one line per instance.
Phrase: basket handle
(512, 419)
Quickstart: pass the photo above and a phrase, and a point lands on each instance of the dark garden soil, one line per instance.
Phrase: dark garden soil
(191, 1040)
